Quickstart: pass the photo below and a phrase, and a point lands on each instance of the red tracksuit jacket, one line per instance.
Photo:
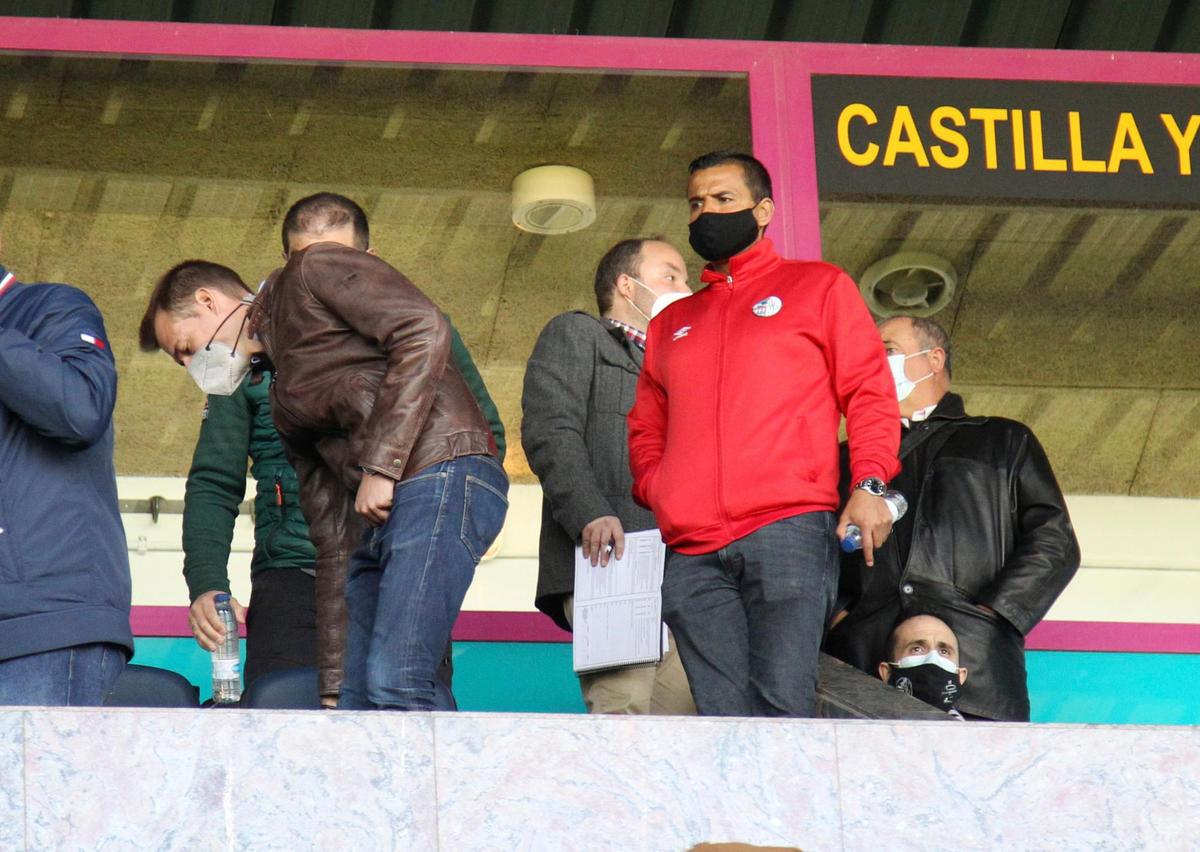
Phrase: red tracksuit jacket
(741, 395)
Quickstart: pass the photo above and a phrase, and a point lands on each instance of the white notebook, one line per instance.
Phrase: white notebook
(618, 606)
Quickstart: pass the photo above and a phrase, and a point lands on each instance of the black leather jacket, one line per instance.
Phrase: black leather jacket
(990, 527)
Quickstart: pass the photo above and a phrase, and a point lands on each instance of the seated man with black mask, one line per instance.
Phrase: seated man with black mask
(924, 662)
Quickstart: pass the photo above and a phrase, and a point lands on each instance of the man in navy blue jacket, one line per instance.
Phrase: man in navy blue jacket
(64, 566)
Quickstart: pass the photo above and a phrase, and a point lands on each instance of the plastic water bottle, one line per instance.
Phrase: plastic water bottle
(227, 659)
(896, 504)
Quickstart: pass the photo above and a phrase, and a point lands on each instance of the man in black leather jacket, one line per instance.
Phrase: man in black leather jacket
(987, 542)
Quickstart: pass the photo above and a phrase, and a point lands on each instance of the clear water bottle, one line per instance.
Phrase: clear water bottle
(227, 659)
(896, 504)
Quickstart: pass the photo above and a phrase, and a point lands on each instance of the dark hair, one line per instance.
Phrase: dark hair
(625, 258)
(174, 291)
(322, 212)
(758, 179)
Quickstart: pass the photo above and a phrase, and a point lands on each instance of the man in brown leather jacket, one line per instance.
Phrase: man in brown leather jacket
(329, 217)
(380, 423)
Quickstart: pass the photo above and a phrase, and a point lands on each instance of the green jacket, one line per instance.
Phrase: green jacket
(470, 373)
(235, 427)
(238, 426)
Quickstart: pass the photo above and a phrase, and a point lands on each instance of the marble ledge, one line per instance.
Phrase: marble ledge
(200, 780)
(177, 779)
(633, 783)
(1018, 786)
(12, 779)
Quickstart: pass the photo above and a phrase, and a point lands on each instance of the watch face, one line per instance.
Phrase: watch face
(872, 484)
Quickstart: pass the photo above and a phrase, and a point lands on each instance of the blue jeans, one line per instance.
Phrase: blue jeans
(748, 619)
(408, 578)
(77, 676)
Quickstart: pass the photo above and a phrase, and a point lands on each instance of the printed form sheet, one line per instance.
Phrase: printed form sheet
(618, 606)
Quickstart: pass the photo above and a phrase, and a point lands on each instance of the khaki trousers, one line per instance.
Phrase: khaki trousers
(660, 690)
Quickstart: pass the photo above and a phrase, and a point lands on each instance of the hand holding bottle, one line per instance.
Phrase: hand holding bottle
(897, 505)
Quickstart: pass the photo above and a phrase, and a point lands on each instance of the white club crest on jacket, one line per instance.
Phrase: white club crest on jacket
(768, 307)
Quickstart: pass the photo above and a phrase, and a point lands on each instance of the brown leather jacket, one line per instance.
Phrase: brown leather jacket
(363, 380)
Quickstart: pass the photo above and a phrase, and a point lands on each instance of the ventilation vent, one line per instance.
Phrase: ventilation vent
(909, 283)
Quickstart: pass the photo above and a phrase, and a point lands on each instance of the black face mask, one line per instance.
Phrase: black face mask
(719, 236)
(929, 683)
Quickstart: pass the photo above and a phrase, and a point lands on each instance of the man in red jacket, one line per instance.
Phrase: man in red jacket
(733, 441)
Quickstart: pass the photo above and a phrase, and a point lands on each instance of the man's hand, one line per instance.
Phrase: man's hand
(872, 516)
(374, 499)
(206, 624)
(598, 535)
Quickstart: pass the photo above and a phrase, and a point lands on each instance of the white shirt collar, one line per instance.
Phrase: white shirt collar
(919, 415)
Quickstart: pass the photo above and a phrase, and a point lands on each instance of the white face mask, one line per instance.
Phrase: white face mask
(932, 658)
(905, 385)
(218, 368)
(661, 303)
(661, 300)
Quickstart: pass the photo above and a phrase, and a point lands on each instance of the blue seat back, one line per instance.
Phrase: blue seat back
(286, 689)
(149, 686)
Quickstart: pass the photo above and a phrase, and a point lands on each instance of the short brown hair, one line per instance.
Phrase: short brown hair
(174, 291)
(625, 258)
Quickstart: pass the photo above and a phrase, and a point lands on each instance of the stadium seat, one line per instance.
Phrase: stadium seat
(148, 686)
(287, 689)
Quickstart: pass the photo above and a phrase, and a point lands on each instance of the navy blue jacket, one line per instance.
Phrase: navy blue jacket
(64, 565)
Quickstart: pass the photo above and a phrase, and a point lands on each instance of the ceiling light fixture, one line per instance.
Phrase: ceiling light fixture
(553, 200)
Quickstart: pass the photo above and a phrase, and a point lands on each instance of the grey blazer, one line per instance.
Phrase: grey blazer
(579, 385)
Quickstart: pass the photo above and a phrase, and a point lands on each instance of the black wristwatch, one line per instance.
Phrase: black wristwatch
(872, 485)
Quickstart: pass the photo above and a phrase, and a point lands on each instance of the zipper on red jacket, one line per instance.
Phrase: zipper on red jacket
(720, 478)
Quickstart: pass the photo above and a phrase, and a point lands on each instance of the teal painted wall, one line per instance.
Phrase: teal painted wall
(1120, 689)
(1064, 686)
(178, 655)
(519, 677)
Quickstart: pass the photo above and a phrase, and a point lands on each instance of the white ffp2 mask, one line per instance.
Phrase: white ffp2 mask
(661, 300)
(218, 368)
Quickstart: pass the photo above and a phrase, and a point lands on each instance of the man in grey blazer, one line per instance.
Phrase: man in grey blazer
(579, 385)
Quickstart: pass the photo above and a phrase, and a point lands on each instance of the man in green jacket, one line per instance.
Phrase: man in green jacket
(281, 630)
(281, 626)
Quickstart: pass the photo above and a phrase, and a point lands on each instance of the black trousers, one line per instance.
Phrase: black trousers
(281, 625)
